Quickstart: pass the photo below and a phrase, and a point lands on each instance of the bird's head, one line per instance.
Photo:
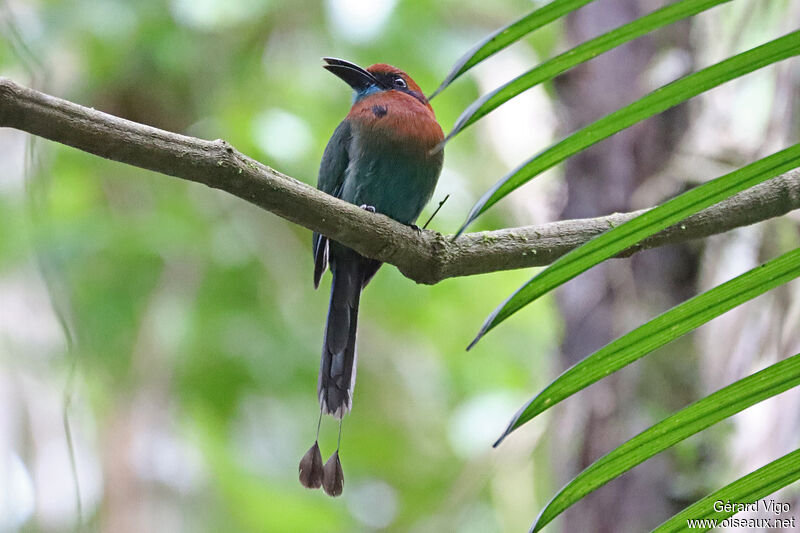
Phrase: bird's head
(377, 78)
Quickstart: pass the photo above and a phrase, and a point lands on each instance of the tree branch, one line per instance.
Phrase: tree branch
(425, 257)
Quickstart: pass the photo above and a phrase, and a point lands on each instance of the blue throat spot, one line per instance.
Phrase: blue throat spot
(363, 93)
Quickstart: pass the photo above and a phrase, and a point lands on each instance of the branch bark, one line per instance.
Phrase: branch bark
(425, 257)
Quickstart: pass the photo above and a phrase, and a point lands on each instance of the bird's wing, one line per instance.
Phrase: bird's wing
(331, 177)
(335, 160)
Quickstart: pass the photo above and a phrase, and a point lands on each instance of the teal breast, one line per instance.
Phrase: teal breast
(392, 163)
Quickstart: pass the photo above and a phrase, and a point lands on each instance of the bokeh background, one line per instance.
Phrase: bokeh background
(159, 341)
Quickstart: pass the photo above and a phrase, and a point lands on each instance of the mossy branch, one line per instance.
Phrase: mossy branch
(425, 257)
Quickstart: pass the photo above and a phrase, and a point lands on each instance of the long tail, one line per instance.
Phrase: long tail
(337, 370)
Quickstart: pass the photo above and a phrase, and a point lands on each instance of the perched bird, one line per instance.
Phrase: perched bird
(381, 157)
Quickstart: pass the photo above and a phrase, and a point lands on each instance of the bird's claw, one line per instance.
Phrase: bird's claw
(415, 228)
(369, 208)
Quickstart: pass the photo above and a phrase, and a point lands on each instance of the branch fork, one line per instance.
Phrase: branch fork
(424, 256)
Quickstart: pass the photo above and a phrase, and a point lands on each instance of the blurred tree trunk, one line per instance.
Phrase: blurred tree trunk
(602, 304)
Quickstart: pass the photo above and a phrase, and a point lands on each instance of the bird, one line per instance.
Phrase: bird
(385, 157)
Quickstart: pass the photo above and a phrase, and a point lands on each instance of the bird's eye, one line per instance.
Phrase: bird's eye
(400, 82)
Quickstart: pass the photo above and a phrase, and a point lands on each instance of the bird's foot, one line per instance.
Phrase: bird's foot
(415, 228)
(369, 208)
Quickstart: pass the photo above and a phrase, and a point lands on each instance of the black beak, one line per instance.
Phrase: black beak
(355, 76)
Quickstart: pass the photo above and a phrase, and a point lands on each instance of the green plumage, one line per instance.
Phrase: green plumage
(379, 157)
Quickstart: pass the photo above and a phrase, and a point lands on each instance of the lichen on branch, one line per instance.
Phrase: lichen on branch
(425, 257)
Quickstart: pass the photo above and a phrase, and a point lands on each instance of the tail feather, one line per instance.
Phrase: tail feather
(337, 372)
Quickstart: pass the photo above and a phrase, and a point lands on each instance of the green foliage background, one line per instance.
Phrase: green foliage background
(176, 330)
(196, 311)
